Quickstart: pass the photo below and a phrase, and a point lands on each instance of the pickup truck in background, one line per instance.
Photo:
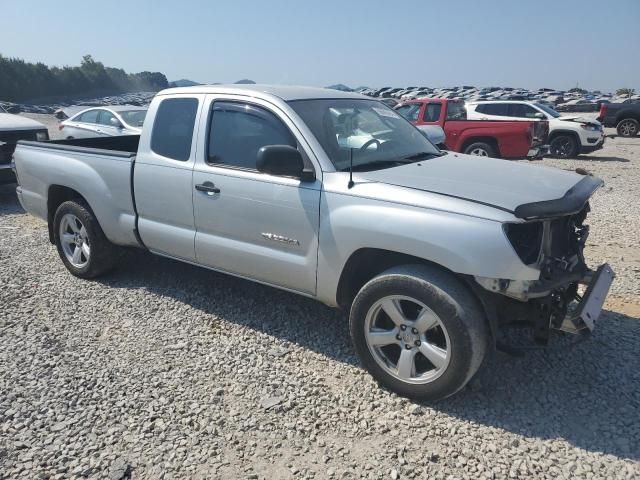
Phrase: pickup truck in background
(624, 117)
(334, 196)
(12, 129)
(498, 139)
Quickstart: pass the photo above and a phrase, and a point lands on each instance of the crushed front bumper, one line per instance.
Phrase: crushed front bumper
(584, 316)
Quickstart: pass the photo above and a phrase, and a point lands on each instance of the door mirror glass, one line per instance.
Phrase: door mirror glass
(283, 160)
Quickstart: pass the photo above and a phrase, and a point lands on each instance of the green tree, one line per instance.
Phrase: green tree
(625, 92)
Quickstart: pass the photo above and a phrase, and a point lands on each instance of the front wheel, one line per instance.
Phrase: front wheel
(563, 146)
(419, 331)
(80, 241)
(628, 127)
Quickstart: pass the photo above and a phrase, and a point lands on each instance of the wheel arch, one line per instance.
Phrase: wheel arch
(489, 140)
(558, 132)
(365, 263)
(56, 196)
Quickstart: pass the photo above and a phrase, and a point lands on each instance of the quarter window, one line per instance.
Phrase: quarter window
(173, 128)
(237, 131)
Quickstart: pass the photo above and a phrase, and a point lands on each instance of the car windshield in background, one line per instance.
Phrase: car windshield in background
(135, 118)
(547, 109)
(375, 135)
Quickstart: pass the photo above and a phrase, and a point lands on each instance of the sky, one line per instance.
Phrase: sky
(594, 44)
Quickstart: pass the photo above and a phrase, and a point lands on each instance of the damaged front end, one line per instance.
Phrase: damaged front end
(568, 296)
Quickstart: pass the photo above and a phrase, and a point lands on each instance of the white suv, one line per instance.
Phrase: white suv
(569, 136)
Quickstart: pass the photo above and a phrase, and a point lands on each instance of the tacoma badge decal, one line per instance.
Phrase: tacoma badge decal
(280, 238)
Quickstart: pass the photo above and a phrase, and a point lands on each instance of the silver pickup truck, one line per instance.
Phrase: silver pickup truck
(334, 196)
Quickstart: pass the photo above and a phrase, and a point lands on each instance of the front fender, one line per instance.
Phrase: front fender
(463, 244)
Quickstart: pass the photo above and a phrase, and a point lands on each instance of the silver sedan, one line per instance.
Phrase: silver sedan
(105, 122)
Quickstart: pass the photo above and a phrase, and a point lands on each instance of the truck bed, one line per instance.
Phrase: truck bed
(102, 170)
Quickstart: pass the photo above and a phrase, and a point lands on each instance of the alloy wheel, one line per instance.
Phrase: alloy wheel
(74, 241)
(407, 339)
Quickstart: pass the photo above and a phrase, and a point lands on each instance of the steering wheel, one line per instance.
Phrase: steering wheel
(370, 142)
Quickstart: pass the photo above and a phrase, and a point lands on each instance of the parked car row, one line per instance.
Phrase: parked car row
(576, 100)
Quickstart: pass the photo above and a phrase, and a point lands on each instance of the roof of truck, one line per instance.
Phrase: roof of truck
(285, 92)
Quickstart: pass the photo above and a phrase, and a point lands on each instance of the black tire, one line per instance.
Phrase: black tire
(628, 127)
(458, 310)
(478, 147)
(564, 146)
(103, 254)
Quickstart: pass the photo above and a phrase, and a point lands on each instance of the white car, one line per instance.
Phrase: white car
(569, 136)
(109, 121)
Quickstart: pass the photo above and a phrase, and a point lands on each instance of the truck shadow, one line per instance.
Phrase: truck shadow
(9, 204)
(587, 393)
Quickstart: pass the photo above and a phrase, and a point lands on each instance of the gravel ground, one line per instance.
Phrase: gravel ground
(164, 370)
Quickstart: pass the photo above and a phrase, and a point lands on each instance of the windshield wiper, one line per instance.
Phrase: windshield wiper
(423, 155)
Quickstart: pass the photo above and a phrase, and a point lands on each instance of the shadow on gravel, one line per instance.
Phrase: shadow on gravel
(591, 158)
(586, 393)
(9, 204)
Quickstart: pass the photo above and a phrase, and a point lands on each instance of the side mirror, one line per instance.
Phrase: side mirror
(115, 122)
(15, 109)
(539, 115)
(283, 160)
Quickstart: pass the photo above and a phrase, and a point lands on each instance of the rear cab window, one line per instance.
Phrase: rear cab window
(173, 126)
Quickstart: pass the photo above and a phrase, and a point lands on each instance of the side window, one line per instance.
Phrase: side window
(89, 117)
(173, 128)
(521, 110)
(499, 109)
(104, 117)
(410, 112)
(456, 111)
(237, 131)
(432, 112)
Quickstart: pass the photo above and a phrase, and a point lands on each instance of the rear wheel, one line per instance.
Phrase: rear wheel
(481, 149)
(628, 127)
(563, 146)
(419, 331)
(80, 241)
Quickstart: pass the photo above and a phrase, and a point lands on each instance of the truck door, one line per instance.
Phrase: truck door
(163, 176)
(251, 224)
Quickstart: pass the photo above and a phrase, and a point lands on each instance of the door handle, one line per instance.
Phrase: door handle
(208, 188)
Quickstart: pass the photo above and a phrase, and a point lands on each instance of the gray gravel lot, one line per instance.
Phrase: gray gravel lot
(164, 370)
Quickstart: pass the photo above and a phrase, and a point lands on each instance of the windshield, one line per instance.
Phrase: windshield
(135, 118)
(375, 135)
(547, 109)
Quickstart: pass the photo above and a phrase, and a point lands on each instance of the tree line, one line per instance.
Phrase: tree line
(20, 80)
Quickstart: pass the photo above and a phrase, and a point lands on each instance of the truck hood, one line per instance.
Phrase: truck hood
(497, 183)
(10, 122)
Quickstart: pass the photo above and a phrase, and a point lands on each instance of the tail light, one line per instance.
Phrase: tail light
(603, 110)
(60, 126)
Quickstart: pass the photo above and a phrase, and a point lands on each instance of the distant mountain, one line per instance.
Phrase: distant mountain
(340, 87)
(183, 83)
(245, 81)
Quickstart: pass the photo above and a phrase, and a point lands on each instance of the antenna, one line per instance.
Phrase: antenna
(350, 184)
